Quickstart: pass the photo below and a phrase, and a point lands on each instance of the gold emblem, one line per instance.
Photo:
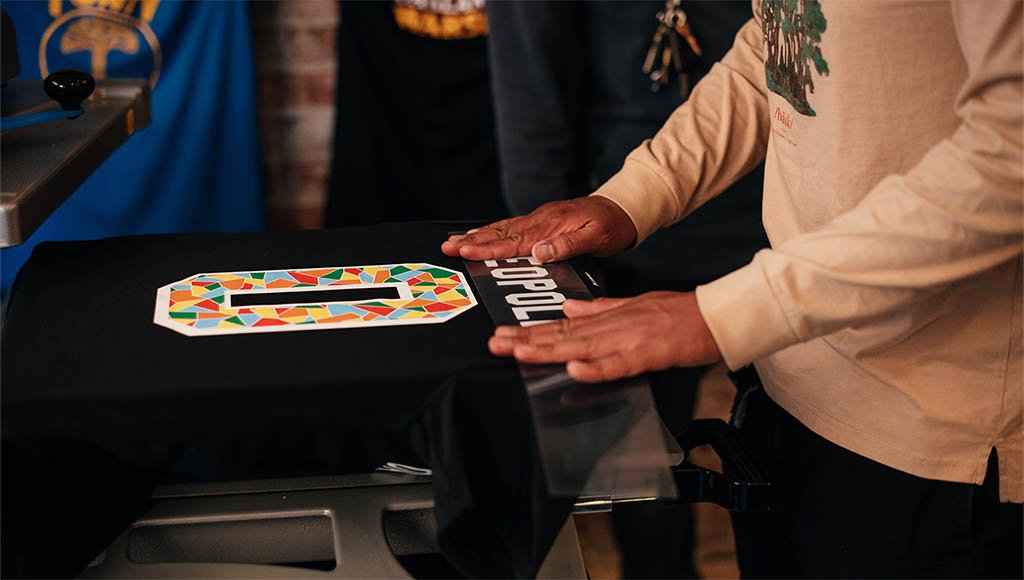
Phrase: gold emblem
(101, 27)
(443, 19)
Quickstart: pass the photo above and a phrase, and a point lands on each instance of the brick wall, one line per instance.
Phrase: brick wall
(294, 44)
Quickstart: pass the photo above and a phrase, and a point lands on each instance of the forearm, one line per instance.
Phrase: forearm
(957, 214)
(716, 137)
(912, 237)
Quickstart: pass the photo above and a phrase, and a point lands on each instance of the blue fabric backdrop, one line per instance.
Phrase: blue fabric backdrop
(196, 168)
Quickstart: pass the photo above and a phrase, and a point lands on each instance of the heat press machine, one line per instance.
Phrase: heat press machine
(45, 159)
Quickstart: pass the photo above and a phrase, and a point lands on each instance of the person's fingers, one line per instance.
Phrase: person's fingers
(489, 233)
(584, 347)
(584, 318)
(501, 242)
(564, 246)
(557, 231)
(496, 231)
(476, 236)
(615, 365)
(551, 348)
(578, 308)
(450, 248)
(491, 250)
(562, 329)
(507, 338)
(504, 345)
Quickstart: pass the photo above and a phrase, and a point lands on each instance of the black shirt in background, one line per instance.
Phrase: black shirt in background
(414, 134)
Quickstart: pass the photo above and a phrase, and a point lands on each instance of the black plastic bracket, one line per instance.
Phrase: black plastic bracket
(746, 488)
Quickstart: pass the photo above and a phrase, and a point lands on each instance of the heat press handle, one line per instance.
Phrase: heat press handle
(69, 87)
(742, 486)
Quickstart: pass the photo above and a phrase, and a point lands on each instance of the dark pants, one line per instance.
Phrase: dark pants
(841, 515)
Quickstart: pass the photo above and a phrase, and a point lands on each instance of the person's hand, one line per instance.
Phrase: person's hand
(608, 339)
(553, 232)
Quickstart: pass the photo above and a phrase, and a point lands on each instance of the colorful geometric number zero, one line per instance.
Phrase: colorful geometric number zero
(201, 305)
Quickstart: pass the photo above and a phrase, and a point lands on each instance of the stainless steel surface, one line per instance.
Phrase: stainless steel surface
(270, 539)
(42, 165)
(590, 505)
(286, 484)
(364, 526)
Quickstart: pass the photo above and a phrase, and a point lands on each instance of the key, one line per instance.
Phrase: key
(685, 52)
(680, 65)
(673, 53)
(666, 63)
(652, 52)
(684, 85)
(659, 77)
(682, 28)
(675, 17)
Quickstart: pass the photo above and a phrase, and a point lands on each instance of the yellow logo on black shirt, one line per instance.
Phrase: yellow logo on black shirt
(100, 27)
(444, 19)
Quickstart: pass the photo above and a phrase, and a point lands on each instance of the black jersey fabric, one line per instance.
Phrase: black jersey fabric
(414, 132)
(81, 322)
(84, 365)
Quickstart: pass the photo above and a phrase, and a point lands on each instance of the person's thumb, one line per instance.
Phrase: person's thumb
(564, 246)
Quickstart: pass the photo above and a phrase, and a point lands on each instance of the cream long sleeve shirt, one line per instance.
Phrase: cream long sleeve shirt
(887, 314)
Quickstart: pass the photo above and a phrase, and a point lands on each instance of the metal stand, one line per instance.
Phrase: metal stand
(44, 164)
(379, 525)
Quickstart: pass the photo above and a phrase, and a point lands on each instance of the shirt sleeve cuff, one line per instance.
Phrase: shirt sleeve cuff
(744, 316)
(644, 196)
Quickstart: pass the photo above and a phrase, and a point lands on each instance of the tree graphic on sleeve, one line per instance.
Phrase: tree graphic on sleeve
(792, 35)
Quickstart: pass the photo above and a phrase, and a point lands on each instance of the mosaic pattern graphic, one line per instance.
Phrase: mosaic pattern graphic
(201, 305)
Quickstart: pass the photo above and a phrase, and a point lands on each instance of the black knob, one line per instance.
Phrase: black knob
(69, 87)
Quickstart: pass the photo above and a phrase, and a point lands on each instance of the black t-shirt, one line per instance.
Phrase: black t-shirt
(86, 365)
(82, 320)
(414, 133)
